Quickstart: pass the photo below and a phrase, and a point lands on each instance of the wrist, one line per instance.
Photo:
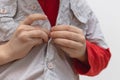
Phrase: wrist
(83, 58)
(5, 52)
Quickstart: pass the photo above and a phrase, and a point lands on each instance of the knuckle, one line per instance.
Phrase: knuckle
(42, 35)
(83, 40)
(21, 28)
(22, 36)
(30, 17)
(68, 28)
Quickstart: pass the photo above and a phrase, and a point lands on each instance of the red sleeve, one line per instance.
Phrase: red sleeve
(98, 59)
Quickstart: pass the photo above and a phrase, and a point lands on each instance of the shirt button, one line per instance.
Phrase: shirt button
(33, 7)
(50, 65)
(3, 11)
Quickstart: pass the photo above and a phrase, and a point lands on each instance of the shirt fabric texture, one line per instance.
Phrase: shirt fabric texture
(47, 62)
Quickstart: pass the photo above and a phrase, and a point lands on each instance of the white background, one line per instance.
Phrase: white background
(108, 13)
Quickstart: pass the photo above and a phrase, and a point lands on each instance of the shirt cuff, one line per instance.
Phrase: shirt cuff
(98, 59)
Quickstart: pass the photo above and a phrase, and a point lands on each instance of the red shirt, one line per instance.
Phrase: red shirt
(98, 57)
(50, 8)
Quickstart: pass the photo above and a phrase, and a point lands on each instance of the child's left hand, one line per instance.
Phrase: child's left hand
(71, 40)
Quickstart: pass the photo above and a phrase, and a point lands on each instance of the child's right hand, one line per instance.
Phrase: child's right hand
(24, 39)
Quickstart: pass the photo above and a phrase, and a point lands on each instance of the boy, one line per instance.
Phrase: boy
(31, 49)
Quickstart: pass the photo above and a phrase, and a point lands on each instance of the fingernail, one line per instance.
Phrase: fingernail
(46, 16)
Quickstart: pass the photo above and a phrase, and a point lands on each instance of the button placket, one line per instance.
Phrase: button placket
(50, 56)
(50, 65)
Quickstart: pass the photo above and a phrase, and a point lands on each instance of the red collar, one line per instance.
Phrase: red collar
(50, 8)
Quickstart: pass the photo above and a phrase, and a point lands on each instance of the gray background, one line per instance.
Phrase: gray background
(108, 13)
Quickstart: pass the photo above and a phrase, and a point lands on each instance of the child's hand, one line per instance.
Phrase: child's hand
(25, 38)
(71, 40)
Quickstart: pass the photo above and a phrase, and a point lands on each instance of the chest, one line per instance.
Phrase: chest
(70, 12)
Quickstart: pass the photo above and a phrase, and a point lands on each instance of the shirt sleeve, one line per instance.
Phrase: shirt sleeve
(98, 59)
(98, 52)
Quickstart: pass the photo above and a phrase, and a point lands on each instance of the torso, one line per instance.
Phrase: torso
(43, 62)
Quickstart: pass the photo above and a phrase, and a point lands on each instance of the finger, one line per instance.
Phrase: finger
(33, 17)
(22, 28)
(25, 28)
(67, 35)
(66, 28)
(29, 28)
(45, 30)
(37, 34)
(37, 27)
(67, 43)
(71, 52)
